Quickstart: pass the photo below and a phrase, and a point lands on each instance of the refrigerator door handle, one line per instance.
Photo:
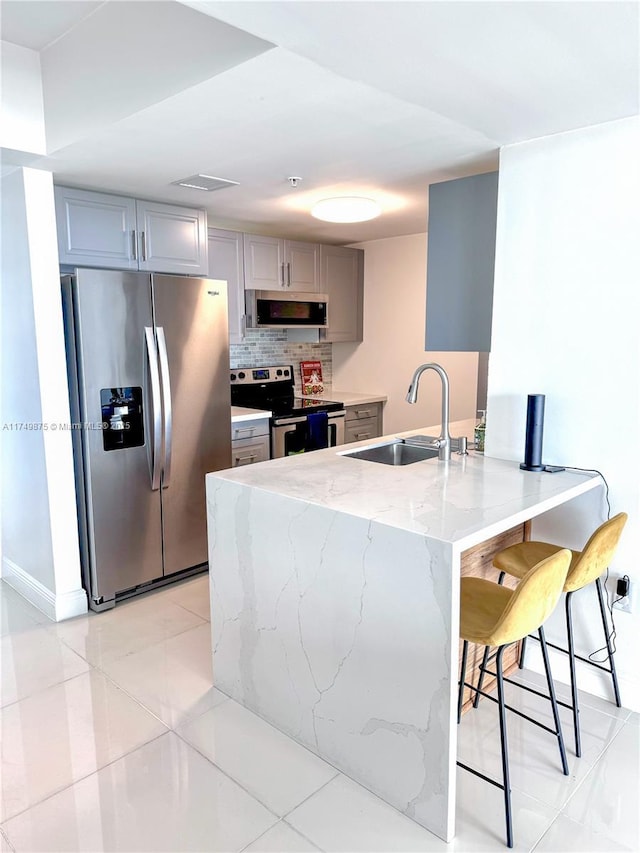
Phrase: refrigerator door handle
(154, 379)
(166, 406)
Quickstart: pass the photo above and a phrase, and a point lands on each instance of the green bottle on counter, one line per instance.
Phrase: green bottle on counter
(480, 431)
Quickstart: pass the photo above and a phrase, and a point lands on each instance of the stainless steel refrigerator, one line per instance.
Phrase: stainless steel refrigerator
(148, 361)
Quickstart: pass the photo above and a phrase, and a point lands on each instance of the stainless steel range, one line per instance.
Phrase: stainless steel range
(298, 424)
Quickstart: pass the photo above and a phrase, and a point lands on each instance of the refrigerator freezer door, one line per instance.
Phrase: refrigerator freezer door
(112, 310)
(191, 317)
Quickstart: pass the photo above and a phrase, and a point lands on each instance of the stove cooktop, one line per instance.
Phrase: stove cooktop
(299, 406)
(272, 388)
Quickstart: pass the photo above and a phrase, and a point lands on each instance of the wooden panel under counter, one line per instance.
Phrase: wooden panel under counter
(478, 562)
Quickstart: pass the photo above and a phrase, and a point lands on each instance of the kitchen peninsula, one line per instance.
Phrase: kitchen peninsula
(335, 598)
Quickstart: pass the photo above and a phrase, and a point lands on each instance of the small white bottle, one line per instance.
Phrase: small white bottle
(480, 431)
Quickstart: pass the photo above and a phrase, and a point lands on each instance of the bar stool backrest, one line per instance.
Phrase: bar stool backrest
(597, 553)
(533, 599)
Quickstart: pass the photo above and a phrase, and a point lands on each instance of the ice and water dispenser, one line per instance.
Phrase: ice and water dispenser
(122, 418)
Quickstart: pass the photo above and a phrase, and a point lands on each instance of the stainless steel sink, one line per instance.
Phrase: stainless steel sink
(393, 453)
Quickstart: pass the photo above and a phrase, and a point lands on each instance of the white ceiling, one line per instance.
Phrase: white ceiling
(377, 98)
(38, 23)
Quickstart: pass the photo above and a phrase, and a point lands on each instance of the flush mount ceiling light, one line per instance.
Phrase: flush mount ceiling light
(204, 182)
(346, 209)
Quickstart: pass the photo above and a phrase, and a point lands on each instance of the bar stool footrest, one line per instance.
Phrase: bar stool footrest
(481, 775)
(511, 708)
(576, 656)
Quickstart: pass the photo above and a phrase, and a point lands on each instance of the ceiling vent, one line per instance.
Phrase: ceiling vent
(208, 183)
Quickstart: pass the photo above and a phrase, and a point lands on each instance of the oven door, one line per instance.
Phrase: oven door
(291, 436)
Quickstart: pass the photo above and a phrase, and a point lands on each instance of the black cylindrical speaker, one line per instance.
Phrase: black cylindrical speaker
(533, 440)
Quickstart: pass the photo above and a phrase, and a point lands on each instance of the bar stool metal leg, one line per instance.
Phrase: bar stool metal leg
(485, 659)
(572, 670)
(463, 672)
(523, 644)
(607, 638)
(554, 703)
(504, 748)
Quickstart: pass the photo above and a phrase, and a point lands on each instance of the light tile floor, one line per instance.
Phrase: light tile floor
(113, 739)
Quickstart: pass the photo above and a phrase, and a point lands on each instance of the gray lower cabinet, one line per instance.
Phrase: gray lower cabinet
(363, 422)
(247, 451)
(226, 261)
(342, 277)
(101, 230)
(271, 263)
(250, 442)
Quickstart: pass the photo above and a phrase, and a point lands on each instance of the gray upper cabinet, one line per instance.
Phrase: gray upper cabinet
(460, 264)
(95, 229)
(172, 239)
(102, 230)
(263, 263)
(303, 266)
(271, 263)
(226, 261)
(342, 277)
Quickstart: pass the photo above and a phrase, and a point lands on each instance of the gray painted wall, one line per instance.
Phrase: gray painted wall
(460, 263)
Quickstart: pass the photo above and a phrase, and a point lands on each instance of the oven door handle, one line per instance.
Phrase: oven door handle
(280, 422)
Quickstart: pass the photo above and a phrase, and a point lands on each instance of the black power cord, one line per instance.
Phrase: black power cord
(595, 471)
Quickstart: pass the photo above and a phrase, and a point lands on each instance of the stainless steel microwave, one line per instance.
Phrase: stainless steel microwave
(278, 309)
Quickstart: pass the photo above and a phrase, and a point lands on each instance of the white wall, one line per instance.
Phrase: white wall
(40, 550)
(26, 535)
(21, 104)
(566, 323)
(395, 275)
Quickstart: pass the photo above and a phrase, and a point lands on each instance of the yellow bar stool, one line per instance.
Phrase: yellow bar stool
(493, 615)
(586, 567)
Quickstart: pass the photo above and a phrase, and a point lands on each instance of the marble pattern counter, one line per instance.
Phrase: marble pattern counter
(240, 415)
(335, 604)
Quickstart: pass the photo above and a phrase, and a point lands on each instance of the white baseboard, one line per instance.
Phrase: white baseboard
(56, 607)
(589, 678)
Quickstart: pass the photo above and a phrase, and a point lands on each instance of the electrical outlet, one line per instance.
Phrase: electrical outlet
(625, 603)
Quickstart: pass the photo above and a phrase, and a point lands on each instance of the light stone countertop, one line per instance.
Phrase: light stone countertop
(335, 600)
(463, 502)
(348, 398)
(241, 415)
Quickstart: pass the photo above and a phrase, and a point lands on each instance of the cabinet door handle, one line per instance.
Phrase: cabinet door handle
(363, 413)
(282, 278)
(360, 435)
(143, 246)
(244, 429)
(245, 460)
(134, 245)
(289, 274)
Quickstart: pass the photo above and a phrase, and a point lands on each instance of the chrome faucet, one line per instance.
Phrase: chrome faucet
(444, 441)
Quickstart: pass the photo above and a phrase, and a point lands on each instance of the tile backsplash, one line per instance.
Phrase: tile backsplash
(271, 346)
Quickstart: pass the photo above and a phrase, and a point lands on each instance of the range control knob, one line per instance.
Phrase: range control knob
(233, 377)
(278, 373)
(286, 373)
(241, 375)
